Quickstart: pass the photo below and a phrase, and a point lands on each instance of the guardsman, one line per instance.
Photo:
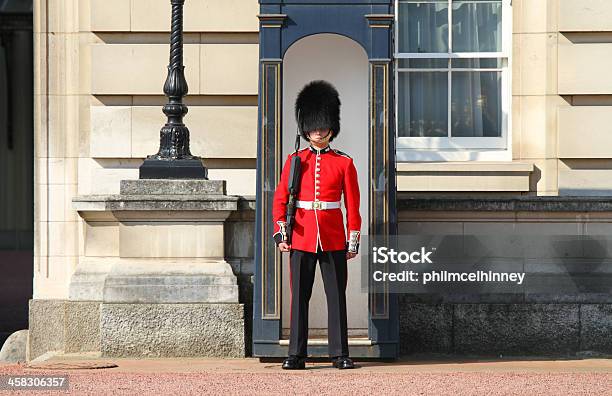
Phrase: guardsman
(318, 232)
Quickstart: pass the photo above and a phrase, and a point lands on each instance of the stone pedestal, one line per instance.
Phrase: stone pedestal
(153, 257)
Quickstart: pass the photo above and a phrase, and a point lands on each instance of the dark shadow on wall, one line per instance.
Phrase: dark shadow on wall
(16, 164)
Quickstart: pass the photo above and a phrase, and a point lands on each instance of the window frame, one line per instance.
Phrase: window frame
(458, 148)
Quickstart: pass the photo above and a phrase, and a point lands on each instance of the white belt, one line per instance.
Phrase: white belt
(317, 204)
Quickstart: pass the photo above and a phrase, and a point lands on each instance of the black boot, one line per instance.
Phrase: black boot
(343, 362)
(294, 363)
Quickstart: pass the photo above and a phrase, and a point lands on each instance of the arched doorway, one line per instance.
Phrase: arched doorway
(344, 63)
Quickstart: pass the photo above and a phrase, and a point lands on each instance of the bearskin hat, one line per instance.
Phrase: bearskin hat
(318, 107)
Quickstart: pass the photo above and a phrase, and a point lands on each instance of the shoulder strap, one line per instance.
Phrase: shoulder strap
(341, 153)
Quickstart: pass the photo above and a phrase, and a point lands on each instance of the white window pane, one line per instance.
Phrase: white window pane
(477, 26)
(476, 104)
(423, 104)
(423, 27)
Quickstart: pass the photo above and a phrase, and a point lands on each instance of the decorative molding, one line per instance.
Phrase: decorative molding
(271, 20)
(380, 20)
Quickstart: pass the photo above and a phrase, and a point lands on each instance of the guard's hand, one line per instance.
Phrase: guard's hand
(283, 247)
(350, 255)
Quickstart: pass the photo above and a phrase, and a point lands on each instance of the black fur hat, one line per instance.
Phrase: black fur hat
(318, 107)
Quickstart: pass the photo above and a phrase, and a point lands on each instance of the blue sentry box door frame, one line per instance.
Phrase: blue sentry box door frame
(282, 23)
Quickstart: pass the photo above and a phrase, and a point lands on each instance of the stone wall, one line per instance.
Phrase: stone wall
(496, 329)
(239, 245)
(513, 324)
(99, 70)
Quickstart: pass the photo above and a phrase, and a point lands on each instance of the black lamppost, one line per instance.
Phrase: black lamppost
(174, 159)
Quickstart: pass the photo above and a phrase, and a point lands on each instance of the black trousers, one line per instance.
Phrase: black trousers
(334, 273)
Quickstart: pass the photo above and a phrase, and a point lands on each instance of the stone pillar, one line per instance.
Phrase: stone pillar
(169, 291)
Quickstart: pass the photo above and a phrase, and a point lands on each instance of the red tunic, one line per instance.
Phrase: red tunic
(335, 175)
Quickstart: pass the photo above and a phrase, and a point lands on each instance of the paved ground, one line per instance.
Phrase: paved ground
(406, 377)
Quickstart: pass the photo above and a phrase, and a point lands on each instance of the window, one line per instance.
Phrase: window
(452, 76)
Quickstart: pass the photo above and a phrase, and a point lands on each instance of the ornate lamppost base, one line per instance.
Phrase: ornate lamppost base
(153, 168)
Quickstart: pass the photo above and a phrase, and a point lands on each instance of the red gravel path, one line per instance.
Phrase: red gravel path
(321, 380)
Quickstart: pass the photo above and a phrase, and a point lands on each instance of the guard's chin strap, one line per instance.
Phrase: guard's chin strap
(297, 142)
(298, 134)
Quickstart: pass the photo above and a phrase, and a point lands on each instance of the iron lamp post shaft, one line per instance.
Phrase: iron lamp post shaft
(174, 159)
